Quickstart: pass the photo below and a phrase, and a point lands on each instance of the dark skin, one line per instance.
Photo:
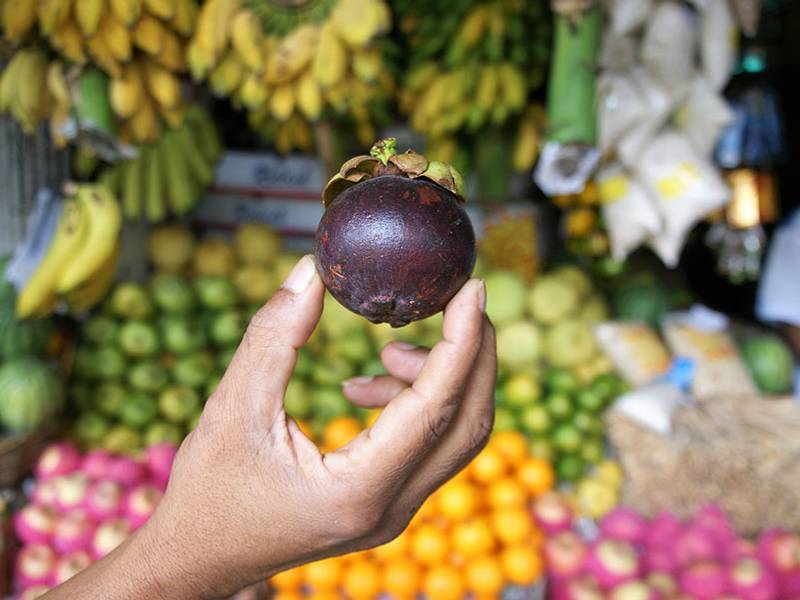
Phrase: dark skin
(250, 495)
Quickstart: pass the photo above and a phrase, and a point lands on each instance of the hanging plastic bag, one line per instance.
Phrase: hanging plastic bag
(618, 52)
(620, 107)
(703, 116)
(718, 42)
(625, 16)
(635, 349)
(669, 44)
(629, 214)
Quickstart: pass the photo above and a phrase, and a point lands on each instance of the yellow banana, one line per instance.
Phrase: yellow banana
(247, 38)
(293, 53)
(174, 115)
(67, 39)
(474, 26)
(512, 86)
(281, 102)
(526, 146)
(185, 17)
(421, 76)
(104, 223)
(102, 55)
(283, 138)
(18, 18)
(144, 124)
(93, 291)
(126, 11)
(126, 91)
(309, 96)
(57, 84)
(367, 64)
(227, 75)
(486, 91)
(163, 85)
(8, 82)
(172, 54)
(211, 35)
(253, 91)
(69, 237)
(330, 61)
(356, 22)
(149, 35)
(163, 9)
(87, 14)
(30, 103)
(116, 36)
(52, 13)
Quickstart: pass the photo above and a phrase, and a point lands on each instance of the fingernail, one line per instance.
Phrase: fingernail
(480, 292)
(404, 346)
(301, 275)
(363, 380)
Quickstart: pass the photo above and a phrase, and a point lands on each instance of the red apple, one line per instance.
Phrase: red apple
(70, 565)
(73, 531)
(71, 491)
(34, 523)
(613, 562)
(34, 565)
(104, 499)
(565, 555)
(60, 458)
(96, 464)
(140, 503)
(126, 471)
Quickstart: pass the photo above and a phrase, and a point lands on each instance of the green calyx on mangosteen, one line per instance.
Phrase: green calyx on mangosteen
(395, 243)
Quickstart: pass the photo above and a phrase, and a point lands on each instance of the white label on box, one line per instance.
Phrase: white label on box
(281, 175)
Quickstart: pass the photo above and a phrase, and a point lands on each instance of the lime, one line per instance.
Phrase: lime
(177, 403)
(148, 376)
(570, 467)
(504, 419)
(521, 389)
(605, 386)
(566, 438)
(560, 380)
(559, 406)
(138, 409)
(589, 400)
(535, 419)
(121, 440)
(110, 363)
(584, 422)
(109, 397)
(541, 448)
(90, 427)
(297, 399)
(593, 451)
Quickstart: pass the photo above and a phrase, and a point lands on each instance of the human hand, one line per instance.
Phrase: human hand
(250, 495)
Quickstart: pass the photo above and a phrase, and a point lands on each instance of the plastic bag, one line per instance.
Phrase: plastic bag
(667, 246)
(626, 16)
(629, 214)
(635, 349)
(617, 52)
(718, 42)
(669, 44)
(620, 106)
(703, 116)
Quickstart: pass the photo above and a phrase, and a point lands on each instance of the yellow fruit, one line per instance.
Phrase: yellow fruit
(362, 581)
(536, 475)
(68, 40)
(330, 61)
(125, 92)
(170, 247)
(172, 53)
(227, 75)
(595, 497)
(393, 551)
(324, 574)
(488, 466)
(367, 64)
(144, 125)
(257, 244)
(473, 537)
(287, 580)
(521, 564)
(484, 575)
(339, 431)
(511, 525)
(458, 500)
(506, 493)
(309, 96)
(87, 15)
(149, 35)
(292, 54)
(443, 582)
(429, 545)
(580, 222)
(127, 11)
(103, 56)
(511, 445)
(17, 18)
(214, 257)
(163, 9)
(401, 579)
(116, 36)
(185, 17)
(255, 283)
(52, 13)
(247, 38)
(253, 91)
(163, 85)
(358, 21)
(611, 471)
(281, 103)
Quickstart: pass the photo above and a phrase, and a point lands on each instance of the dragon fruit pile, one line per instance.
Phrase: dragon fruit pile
(81, 508)
(633, 558)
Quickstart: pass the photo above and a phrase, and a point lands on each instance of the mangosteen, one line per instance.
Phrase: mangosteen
(395, 243)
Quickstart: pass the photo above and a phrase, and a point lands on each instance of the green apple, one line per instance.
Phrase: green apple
(182, 334)
(109, 362)
(566, 438)
(227, 327)
(589, 400)
(162, 432)
(138, 409)
(519, 344)
(130, 300)
(177, 403)
(560, 380)
(559, 406)
(521, 389)
(506, 295)
(173, 293)
(108, 398)
(570, 467)
(90, 427)
(576, 278)
(593, 451)
(101, 329)
(121, 440)
(569, 343)
(535, 419)
(216, 292)
(148, 376)
(138, 339)
(551, 299)
(192, 369)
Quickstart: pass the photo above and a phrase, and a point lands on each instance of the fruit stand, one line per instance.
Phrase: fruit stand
(615, 173)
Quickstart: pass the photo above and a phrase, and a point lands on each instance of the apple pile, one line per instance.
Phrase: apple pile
(81, 508)
(634, 558)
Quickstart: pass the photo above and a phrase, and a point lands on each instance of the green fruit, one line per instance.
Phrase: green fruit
(521, 389)
(354, 346)
(559, 406)
(121, 440)
(327, 403)
(642, 298)
(569, 343)
(297, 399)
(84, 367)
(536, 419)
(575, 278)
(332, 371)
(138, 409)
(82, 396)
(566, 438)
(227, 327)
(162, 432)
(216, 292)
(138, 339)
(589, 401)
(109, 363)
(560, 381)
(182, 334)
(192, 369)
(305, 363)
(506, 295)
(130, 300)
(519, 345)
(336, 320)
(607, 386)
(225, 356)
(212, 383)
(177, 403)
(552, 299)
(90, 428)
(30, 394)
(541, 448)
(504, 419)
(101, 330)
(593, 451)
(172, 293)
(108, 398)
(584, 422)
(770, 363)
(594, 310)
(373, 367)
(570, 468)
(148, 376)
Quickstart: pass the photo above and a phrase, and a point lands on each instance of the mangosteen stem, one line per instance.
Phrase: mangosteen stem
(383, 150)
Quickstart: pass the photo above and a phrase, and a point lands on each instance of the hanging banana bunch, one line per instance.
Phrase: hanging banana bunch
(139, 44)
(291, 63)
(473, 65)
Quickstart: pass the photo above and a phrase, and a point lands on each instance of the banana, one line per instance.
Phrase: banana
(176, 175)
(67, 39)
(281, 102)
(172, 55)
(57, 84)
(253, 92)
(111, 178)
(126, 91)
(356, 22)
(199, 170)
(52, 13)
(185, 17)
(247, 39)
(163, 85)
(309, 96)
(116, 36)
(212, 33)
(526, 146)
(69, 237)
(30, 103)
(474, 26)
(95, 290)
(205, 132)
(227, 75)
(103, 56)
(104, 223)
(512, 86)
(163, 9)
(420, 77)
(18, 18)
(330, 61)
(9, 81)
(144, 124)
(88, 14)
(293, 53)
(126, 11)
(173, 116)
(149, 35)
(132, 178)
(155, 210)
(486, 92)
(367, 64)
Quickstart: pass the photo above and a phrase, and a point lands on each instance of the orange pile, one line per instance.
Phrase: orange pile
(474, 535)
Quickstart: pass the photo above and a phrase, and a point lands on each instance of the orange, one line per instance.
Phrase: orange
(339, 431)
(305, 428)
(473, 537)
(484, 575)
(511, 445)
(443, 582)
(522, 565)
(429, 545)
(506, 492)
(324, 595)
(488, 466)
(288, 595)
(287, 580)
(372, 417)
(458, 500)
(425, 513)
(396, 549)
(511, 525)
(401, 579)
(324, 574)
(362, 581)
(536, 475)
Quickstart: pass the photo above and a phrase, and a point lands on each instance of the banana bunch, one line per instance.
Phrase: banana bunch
(24, 88)
(474, 64)
(289, 62)
(171, 174)
(80, 263)
(140, 44)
